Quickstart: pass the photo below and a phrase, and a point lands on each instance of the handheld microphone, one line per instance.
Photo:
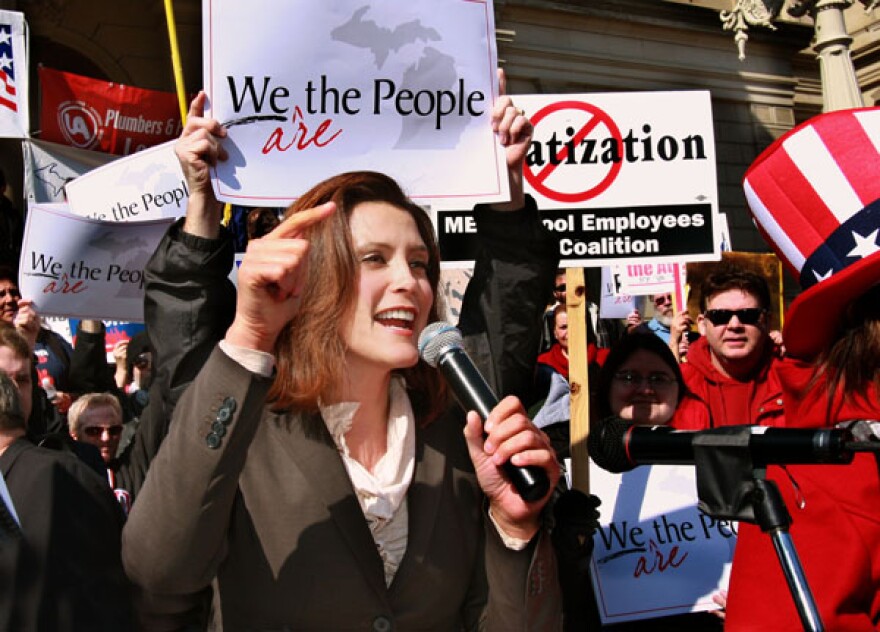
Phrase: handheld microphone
(441, 346)
(619, 446)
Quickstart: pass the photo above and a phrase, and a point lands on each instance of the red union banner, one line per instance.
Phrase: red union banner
(103, 116)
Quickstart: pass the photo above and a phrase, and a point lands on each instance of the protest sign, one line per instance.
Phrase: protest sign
(648, 277)
(49, 166)
(655, 554)
(618, 178)
(86, 268)
(613, 303)
(147, 185)
(405, 88)
(100, 115)
(14, 111)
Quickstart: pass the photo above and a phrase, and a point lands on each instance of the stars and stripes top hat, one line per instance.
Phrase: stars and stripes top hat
(815, 197)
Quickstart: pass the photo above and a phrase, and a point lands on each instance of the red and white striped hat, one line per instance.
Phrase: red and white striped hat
(815, 196)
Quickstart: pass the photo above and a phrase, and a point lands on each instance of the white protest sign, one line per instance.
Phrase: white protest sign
(618, 177)
(49, 166)
(146, 185)
(655, 554)
(648, 277)
(613, 304)
(405, 88)
(86, 268)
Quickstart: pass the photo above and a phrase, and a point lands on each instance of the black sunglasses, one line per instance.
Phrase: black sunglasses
(96, 431)
(11, 292)
(560, 288)
(747, 316)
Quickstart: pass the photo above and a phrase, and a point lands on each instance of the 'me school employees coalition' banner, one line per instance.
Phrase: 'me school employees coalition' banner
(319, 88)
(617, 177)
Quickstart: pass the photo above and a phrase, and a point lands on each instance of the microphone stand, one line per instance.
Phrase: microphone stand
(774, 519)
(731, 487)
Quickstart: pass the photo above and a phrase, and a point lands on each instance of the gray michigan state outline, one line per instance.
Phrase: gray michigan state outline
(432, 67)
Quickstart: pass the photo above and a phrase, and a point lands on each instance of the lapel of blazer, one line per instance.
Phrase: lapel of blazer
(321, 465)
(423, 499)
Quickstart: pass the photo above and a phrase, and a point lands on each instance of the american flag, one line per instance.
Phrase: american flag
(8, 98)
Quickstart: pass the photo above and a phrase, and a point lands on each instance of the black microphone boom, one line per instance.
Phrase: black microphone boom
(619, 446)
(440, 345)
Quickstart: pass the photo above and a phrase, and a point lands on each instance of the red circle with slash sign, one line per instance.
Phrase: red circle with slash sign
(538, 180)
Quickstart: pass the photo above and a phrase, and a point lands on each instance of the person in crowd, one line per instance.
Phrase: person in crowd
(11, 227)
(605, 331)
(66, 573)
(134, 371)
(53, 379)
(43, 419)
(731, 368)
(54, 355)
(261, 222)
(660, 322)
(96, 418)
(366, 456)
(663, 322)
(830, 375)
(641, 382)
(552, 409)
(52, 351)
(556, 357)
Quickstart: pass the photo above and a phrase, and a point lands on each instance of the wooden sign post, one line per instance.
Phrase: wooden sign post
(576, 308)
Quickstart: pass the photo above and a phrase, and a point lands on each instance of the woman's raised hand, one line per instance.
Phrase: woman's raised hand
(514, 132)
(270, 280)
(198, 149)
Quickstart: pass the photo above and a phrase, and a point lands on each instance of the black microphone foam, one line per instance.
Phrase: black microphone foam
(606, 445)
(442, 347)
(618, 445)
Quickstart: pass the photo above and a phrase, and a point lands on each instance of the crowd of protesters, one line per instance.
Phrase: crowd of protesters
(256, 515)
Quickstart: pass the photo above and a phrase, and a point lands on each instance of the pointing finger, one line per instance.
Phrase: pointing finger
(298, 222)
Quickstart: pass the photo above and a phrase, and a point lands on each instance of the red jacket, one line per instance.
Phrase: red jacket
(558, 361)
(836, 533)
(730, 402)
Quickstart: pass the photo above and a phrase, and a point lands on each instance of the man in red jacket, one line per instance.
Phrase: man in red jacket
(732, 367)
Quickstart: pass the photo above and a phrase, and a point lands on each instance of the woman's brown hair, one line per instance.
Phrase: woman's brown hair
(310, 349)
(851, 365)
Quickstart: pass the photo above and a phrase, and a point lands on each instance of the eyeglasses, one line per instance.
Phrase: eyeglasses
(662, 300)
(656, 381)
(96, 432)
(13, 292)
(747, 316)
(560, 288)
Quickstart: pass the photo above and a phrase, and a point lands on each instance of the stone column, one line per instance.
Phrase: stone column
(840, 90)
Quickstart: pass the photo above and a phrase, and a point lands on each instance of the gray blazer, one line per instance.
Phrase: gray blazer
(261, 504)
